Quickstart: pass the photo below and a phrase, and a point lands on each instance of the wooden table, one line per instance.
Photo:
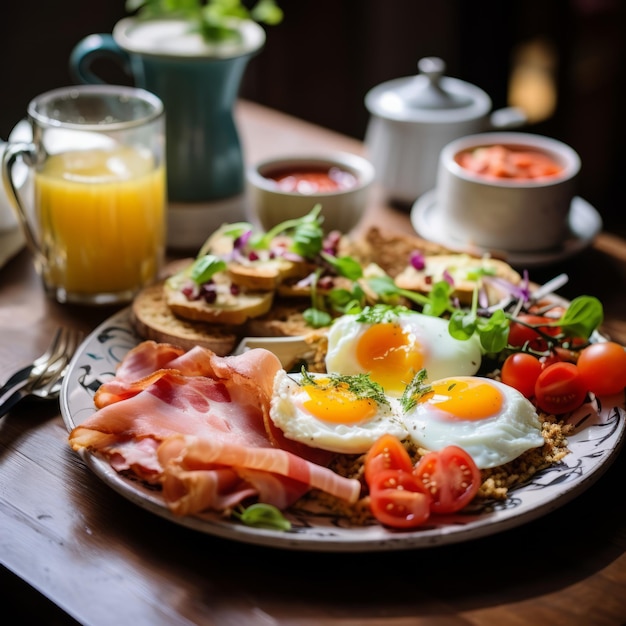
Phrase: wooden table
(73, 548)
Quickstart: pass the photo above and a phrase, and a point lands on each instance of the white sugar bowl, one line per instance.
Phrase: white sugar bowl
(413, 118)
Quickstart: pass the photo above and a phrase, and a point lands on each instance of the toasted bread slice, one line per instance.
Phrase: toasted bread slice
(284, 320)
(231, 310)
(390, 251)
(267, 275)
(153, 319)
(463, 269)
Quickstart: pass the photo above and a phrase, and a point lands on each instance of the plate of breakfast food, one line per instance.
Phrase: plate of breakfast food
(388, 397)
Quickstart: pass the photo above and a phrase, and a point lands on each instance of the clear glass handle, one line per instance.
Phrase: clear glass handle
(28, 151)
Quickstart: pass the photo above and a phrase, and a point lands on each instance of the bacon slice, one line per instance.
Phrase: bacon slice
(197, 425)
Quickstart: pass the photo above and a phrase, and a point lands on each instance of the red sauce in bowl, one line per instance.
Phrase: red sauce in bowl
(508, 162)
(313, 180)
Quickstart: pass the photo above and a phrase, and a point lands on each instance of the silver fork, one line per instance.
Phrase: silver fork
(23, 374)
(45, 380)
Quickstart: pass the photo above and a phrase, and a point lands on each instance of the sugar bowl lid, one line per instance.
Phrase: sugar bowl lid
(428, 97)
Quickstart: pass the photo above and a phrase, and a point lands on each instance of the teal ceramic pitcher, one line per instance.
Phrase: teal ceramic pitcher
(198, 84)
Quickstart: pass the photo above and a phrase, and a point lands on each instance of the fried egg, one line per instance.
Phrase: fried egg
(394, 345)
(491, 421)
(326, 412)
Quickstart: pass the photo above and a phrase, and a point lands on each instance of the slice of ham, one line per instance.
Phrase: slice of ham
(190, 462)
(195, 423)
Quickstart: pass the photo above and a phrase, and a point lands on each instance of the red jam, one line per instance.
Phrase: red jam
(516, 163)
(312, 180)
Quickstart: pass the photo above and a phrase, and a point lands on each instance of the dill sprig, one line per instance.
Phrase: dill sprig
(414, 391)
(381, 313)
(360, 385)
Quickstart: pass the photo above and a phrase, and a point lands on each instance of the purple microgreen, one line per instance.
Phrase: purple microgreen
(417, 260)
(242, 240)
(520, 292)
(234, 231)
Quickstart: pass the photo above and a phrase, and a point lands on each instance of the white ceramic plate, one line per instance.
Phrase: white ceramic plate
(584, 224)
(592, 450)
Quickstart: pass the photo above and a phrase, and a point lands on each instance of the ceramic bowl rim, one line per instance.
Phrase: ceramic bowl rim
(564, 153)
(359, 166)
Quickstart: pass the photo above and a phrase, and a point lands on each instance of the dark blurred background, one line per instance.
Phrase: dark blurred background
(564, 61)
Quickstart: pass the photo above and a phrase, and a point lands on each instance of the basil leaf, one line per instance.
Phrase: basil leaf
(583, 315)
(263, 515)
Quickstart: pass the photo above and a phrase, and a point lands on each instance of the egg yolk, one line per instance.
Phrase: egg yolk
(464, 399)
(390, 354)
(337, 404)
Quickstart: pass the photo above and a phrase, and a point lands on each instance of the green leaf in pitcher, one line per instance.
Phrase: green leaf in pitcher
(215, 20)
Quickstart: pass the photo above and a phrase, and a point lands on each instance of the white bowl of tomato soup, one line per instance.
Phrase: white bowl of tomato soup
(288, 187)
(507, 191)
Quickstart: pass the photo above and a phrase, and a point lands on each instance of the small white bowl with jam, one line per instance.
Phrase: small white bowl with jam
(507, 191)
(288, 187)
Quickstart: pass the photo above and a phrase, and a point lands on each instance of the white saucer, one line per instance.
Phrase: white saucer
(584, 224)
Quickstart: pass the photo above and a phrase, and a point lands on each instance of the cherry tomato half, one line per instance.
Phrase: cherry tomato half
(386, 453)
(521, 370)
(451, 477)
(602, 367)
(398, 499)
(560, 388)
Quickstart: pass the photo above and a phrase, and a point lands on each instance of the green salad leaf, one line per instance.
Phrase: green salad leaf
(215, 20)
(261, 515)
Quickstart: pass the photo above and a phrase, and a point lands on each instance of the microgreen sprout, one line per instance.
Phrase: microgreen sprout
(306, 232)
(493, 330)
(205, 267)
(199, 272)
(435, 303)
(344, 266)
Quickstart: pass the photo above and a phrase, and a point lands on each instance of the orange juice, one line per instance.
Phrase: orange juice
(101, 215)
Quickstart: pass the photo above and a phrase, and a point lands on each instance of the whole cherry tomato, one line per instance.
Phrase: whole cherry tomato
(523, 331)
(520, 370)
(602, 367)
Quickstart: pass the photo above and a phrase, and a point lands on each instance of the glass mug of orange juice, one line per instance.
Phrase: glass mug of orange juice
(96, 226)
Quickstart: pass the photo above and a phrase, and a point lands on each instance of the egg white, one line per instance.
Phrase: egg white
(288, 413)
(491, 441)
(428, 344)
